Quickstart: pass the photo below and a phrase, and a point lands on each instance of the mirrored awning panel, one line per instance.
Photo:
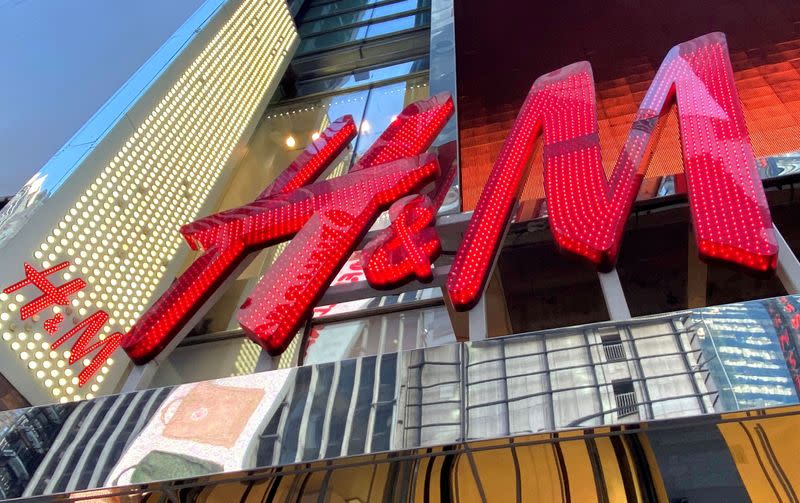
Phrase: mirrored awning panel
(686, 364)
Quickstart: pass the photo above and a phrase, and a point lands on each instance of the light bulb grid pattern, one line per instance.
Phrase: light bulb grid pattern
(123, 231)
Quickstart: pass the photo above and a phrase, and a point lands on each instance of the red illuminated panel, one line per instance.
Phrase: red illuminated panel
(587, 210)
(220, 237)
(297, 279)
(407, 247)
(411, 133)
(333, 215)
(90, 326)
(311, 163)
(51, 295)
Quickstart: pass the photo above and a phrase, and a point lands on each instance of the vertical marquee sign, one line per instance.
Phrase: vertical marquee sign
(112, 200)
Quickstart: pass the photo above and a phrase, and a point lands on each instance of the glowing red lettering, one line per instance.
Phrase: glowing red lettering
(588, 211)
(329, 218)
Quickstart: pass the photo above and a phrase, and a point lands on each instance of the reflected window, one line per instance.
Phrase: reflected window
(373, 335)
(334, 22)
(326, 9)
(340, 20)
(403, 23)
(398, 7)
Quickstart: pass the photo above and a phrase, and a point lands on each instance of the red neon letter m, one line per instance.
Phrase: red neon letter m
(588, 211)
(90, 326)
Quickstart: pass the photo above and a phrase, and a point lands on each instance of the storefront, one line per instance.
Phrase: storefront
(206, 299)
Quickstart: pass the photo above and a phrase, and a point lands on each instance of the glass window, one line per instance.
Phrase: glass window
(376, 302)
(316, 25)
(362, 77)
(383, 106)
(353, 34)
(398, 7)
(316, 11)
(334, 22)
(284, 132)
(332, 39)
(212, 360)
(399, 24)
(378, 334)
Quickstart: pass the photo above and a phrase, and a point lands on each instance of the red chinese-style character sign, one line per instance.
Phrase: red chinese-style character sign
(410, 244)
(588, 211)
(51, 295)
(328, 218)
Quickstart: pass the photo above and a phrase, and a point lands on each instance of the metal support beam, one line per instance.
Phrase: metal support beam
(697, 275)
(265, 362)
(139, 377)
(614, 295)
(788, 265)
(478, 321)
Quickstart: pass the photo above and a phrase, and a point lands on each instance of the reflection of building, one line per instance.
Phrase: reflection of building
(562, 384)
(427, 404)
(25, 439)
(746, 361)
(560, 379)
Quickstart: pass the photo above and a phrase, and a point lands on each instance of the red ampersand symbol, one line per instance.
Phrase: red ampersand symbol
(51, 324)
(407, 247)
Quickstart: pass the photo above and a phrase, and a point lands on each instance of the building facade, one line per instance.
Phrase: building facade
(655, 377)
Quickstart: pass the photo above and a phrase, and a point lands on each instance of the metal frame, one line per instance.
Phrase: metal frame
(613, 295)
(788, 265)
(345, 11)
(367, 22)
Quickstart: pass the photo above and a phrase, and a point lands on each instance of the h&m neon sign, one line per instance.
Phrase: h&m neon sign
(326, 220)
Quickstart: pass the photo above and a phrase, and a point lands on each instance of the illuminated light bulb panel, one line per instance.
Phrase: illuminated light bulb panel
(123, 230)
(329, 218)
(406, 249)
(588, 211)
